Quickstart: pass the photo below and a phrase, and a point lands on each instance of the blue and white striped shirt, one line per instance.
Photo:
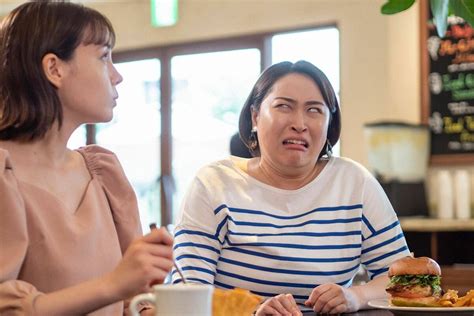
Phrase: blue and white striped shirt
(235, 231)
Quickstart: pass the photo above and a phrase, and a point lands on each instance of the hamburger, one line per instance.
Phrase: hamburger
(414, 282)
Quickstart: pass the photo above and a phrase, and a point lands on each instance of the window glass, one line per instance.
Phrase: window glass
(208, 92)
(78, 138)
(134, 133)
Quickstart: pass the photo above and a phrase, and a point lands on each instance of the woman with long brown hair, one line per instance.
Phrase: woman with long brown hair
(70, 237)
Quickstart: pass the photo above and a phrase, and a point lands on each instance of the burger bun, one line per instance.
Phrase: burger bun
(430, 301)
(410, 265)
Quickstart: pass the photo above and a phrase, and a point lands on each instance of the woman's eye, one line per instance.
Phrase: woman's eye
(282, 105)
(315, 110)
(105, 56)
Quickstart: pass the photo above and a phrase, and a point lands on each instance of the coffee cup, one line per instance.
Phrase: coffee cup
(177, 300)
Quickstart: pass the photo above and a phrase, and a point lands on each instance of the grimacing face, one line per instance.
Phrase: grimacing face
(292, 123)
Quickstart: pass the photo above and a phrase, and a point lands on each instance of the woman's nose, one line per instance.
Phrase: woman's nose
(115, 77)
(299, 123)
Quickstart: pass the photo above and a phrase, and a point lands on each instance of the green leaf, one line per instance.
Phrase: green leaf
(395, 6)
(464, 9)
(439, 8)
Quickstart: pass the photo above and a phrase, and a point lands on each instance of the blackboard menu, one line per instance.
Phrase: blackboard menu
(451, 89)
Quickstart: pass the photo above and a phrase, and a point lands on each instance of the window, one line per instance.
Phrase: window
(179, 106)
(208, 92)
(134, 133)
(78, 138)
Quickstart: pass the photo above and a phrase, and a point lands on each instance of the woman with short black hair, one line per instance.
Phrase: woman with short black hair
(293, 223)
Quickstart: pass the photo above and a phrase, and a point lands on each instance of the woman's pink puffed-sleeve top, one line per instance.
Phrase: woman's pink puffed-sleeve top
(44, 247)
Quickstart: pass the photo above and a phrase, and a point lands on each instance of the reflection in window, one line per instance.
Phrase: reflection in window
(134, 133)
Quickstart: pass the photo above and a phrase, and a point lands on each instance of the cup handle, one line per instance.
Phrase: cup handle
(145, 297)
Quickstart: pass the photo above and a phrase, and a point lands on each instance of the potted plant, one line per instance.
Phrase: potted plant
(440, 9)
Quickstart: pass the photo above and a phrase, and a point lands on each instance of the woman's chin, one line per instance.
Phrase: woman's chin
(296, 161)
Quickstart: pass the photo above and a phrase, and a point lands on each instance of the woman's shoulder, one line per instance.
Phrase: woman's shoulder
(95, 150)
(221, 171)
(104, 165)
(348, 171)
(349, 166)
(99, 159)
(221, 167)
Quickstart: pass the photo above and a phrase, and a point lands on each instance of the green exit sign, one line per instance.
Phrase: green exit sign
(164, 12)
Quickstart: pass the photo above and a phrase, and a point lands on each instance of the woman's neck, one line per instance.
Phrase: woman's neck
(278, 177)
(51, 150)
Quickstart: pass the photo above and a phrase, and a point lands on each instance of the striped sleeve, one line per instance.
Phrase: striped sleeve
(198, 236)
(383, 239)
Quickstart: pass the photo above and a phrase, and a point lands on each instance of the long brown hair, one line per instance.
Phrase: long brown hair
(29, 104)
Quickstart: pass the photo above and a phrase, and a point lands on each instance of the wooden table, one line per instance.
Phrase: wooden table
(369, 312)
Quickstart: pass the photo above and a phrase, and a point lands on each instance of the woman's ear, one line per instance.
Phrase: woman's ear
(53, 69)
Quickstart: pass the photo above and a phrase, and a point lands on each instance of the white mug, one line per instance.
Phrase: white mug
(177, 300)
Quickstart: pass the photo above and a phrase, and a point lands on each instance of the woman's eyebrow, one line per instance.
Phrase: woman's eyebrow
(315, 102)
(290, 100)
(311, 102)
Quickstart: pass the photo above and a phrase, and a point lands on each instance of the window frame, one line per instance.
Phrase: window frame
(260, 41)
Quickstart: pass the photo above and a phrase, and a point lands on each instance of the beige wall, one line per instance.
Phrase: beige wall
(379, 54)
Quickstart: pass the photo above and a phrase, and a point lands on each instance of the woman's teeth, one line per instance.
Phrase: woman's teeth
(296, 142)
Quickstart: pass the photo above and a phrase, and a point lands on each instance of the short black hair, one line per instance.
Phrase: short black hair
(266, 81)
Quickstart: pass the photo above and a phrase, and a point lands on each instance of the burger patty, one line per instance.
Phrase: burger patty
(410, 291)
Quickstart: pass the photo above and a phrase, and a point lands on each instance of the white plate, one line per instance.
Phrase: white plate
(398, 310)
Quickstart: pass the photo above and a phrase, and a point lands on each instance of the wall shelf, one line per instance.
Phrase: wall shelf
(435, 226)
(416, 224)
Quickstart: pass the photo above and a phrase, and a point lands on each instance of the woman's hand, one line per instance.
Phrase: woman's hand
(147, 259)
(333, 299)
(283, 304)
(148, 312)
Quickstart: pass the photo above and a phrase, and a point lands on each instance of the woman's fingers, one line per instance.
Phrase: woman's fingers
(291, 305)
(159, 250)
(266, 310)
(339, 309)
(278, 305)
(332, 304)
(329, 298)
(148, 260)
(283, 304)
(324, 298)
(159, 236)
(316, 293)
(163, 264)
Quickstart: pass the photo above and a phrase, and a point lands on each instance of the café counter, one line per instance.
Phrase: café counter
(434, 226)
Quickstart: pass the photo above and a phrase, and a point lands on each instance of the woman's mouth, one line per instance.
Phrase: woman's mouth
(300, 142)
